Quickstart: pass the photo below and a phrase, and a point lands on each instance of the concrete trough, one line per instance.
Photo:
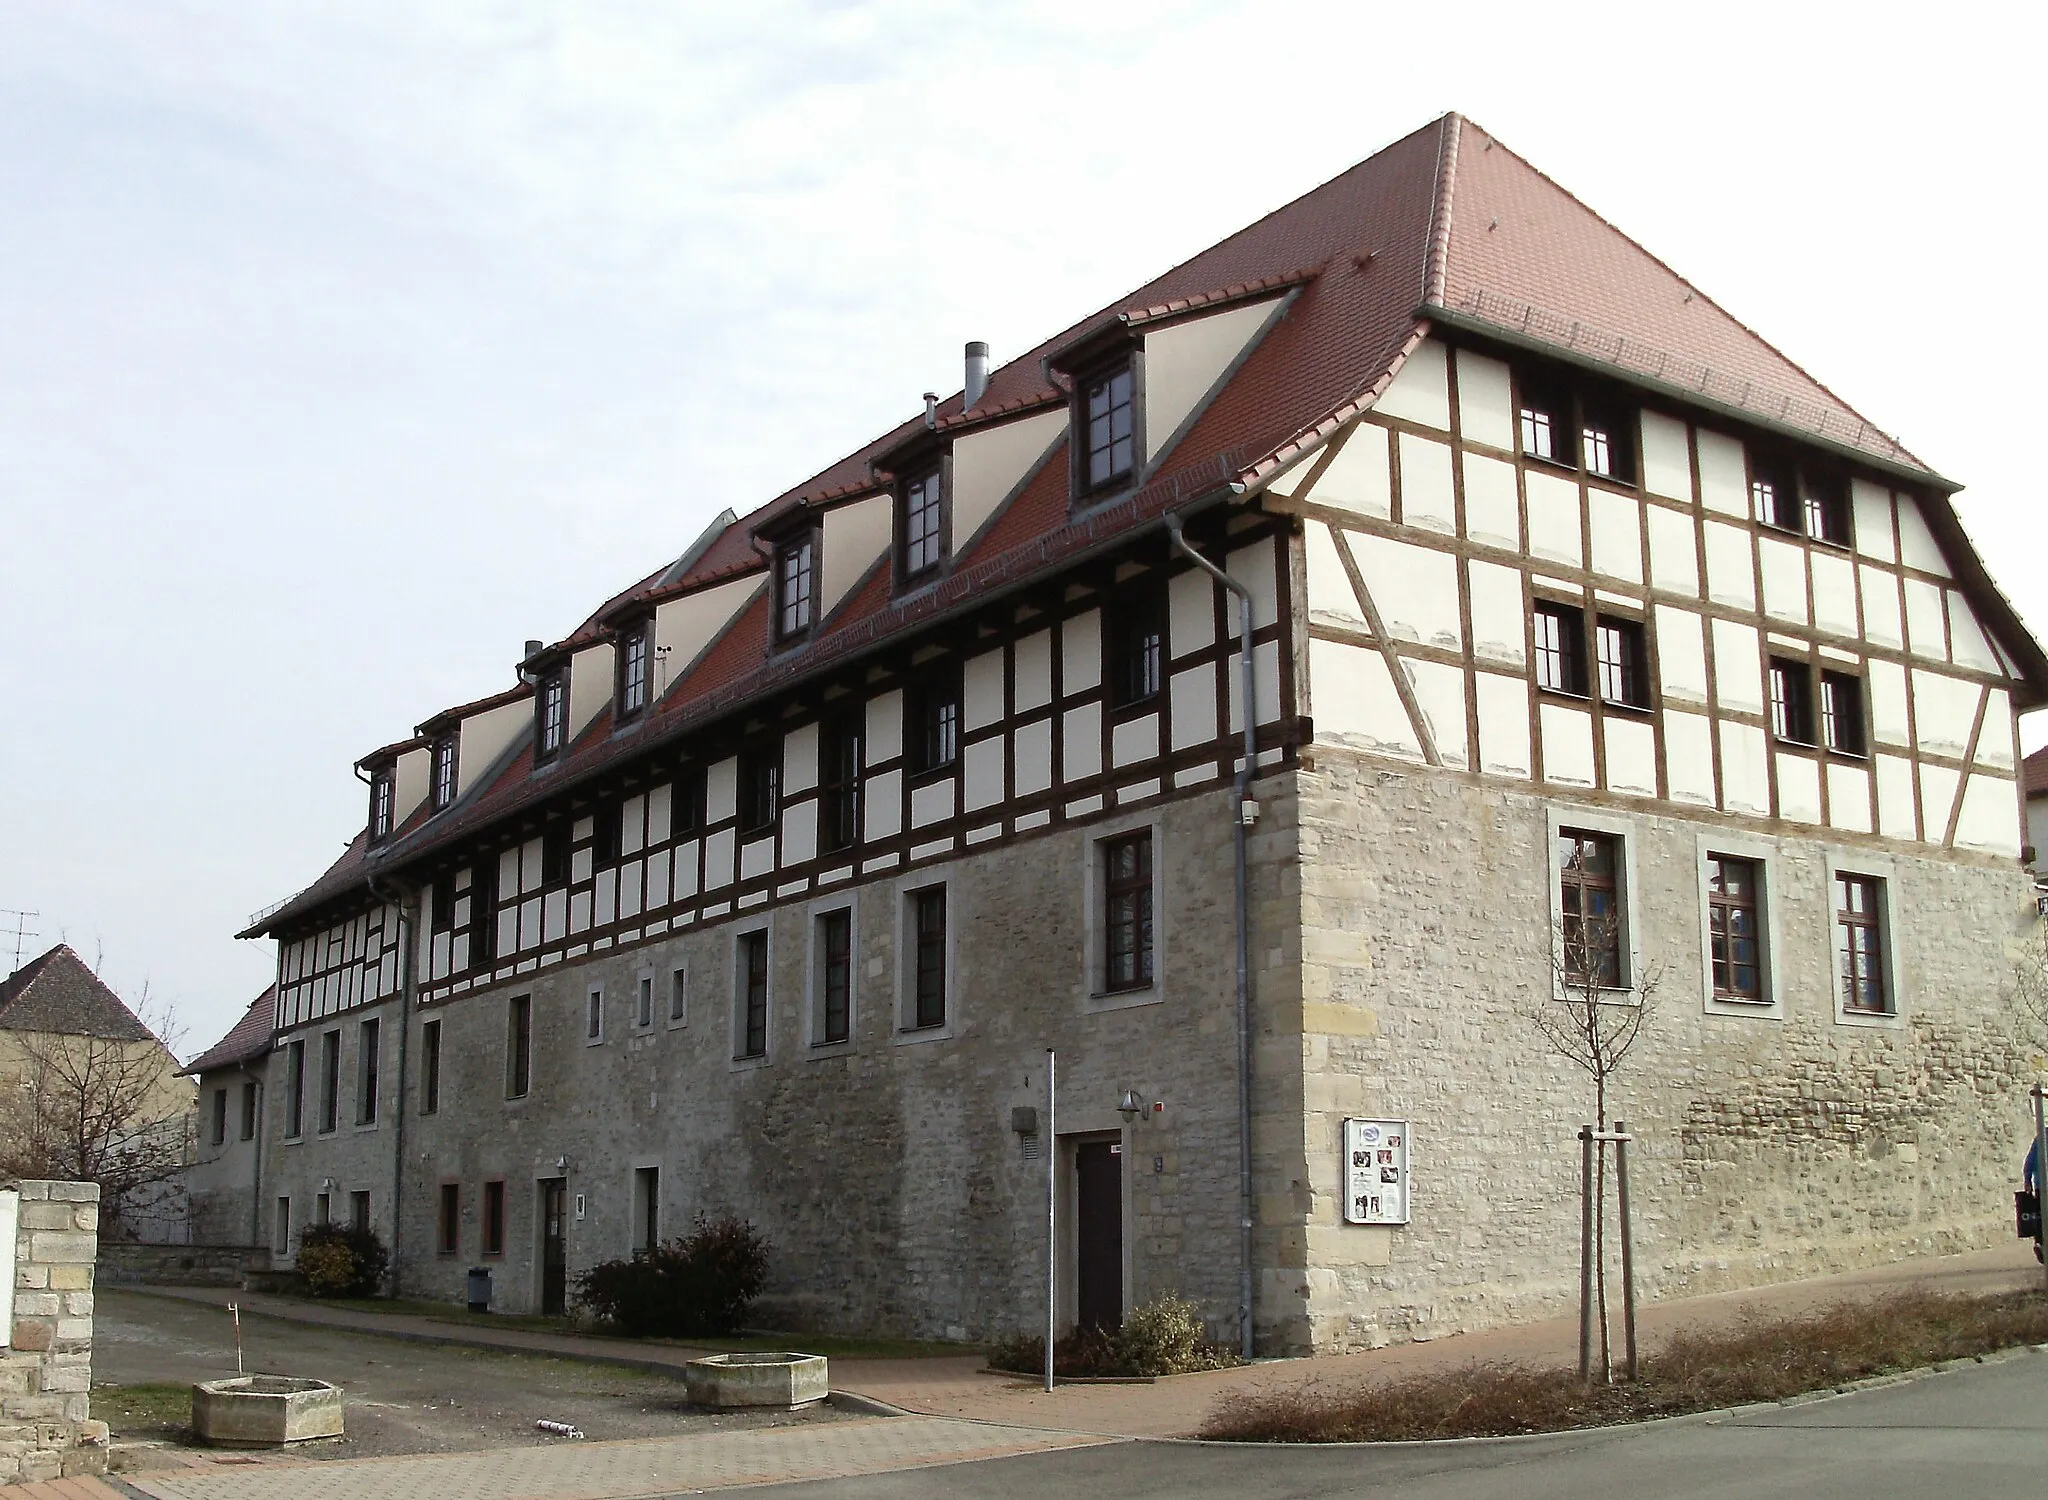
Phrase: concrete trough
(779, 1381)
(264, 1411)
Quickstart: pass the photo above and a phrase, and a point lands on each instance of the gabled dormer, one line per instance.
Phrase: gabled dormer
(397, 776)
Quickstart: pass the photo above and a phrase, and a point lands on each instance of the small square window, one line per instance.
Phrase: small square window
(795, 593)
(1560, 631)
(1624, 663)
(1109, 405)
(923, 528)
(1841, 712)
(1792, 701)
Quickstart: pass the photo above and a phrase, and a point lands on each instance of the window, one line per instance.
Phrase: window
(646, 1207)
(518, 1046)
(359, 1211)
(644, 1016)
(1560, 648)
(928, 971)
(1589, 906)
(593, 1027)
(251, 1097)
(1775, 493)
(834, 1020)
(323, 1208)
(794, 588)
(220, 1117)
(448, 1222)
(1109, 402)
(1859, 943)
(1127, 912)
(430, 1067)
(933, 734)
(1733, 888)
(483, 914)
(281, 1239)
(605, 820)
(1792, 701)
(444, 771)
(494, 1218)
(753, 994)
(382, 790)
(1137, 639)
(1827, 507)
(330, 1080)
(1624, 662)
(1607, 441)
(295, 1089)
(550, 715)
(839, 783)
(367, 1038)
(686, 801)
(635, 649)
(441, 903)
(760, 786)
(678, 996)
(924, 525)
(1543, 421)
(554, 852)
(1841, 712)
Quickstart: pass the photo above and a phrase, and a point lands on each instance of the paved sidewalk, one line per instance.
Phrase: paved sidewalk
(615, 1471)
(63, 1489)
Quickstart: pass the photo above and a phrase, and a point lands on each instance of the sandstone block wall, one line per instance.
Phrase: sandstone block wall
(46, 1429)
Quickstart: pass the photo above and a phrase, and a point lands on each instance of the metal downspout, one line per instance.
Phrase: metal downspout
(1242, 790)
(408, 981)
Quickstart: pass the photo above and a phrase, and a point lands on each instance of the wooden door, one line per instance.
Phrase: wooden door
(554, 1253)
(1099, 1230)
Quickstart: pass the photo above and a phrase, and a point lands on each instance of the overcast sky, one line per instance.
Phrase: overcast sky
(344, 346)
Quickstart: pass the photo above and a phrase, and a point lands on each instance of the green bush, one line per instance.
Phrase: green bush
(1163, 1337)
(339, 1260)
(698, 1286)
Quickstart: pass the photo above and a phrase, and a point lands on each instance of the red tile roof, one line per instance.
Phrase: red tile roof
(2034, 773)
(1443, 225)
(58, 993)
(247, 1040)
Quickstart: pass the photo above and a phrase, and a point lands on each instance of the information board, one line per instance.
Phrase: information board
(1376, 1172)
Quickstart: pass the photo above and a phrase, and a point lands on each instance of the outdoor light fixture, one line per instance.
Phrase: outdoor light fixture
(1130, 1106)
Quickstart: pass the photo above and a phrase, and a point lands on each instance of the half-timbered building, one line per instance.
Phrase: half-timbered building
(769, 888)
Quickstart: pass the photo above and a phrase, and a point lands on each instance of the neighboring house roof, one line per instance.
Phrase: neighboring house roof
(1445, 226)
(247, 1040)
(58, 993)
(2034, 773)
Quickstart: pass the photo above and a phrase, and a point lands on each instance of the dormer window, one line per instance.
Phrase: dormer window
(1607, 441)
(1775, 492)
(1109, 408)
(922, 513)
(550, 715)
(796, 587)
(636, 647)
(382, 792)
(1544, 422)
(444, 771)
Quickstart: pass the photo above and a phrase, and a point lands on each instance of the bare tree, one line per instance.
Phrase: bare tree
(2027, 987)
(1601, 999)
(101, 1109)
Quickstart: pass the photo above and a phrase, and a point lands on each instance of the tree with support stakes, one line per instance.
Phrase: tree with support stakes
(2028, 991)
(1593, 1019)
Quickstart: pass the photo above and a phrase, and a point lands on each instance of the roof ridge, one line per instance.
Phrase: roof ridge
(1437, 248)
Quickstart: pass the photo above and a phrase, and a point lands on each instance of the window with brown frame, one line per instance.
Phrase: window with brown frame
(928, 968)
(635, 652)
(1137, 643)
(1109, 407)
(494, 1218)
(330, 1081)
(795, 587)
(1841, 712)
(1624, 662)
(686, 801)
(550, 715)
(933, 731)
(448, 1221)
(430, 1067)
(251, 1095)
(1607, 440)
(1859, 943)
(295, 1090)
(753, 994)
(441, 903)
(760, 786)
(835, 977)
(1826, 497)
(518, 1046)
(1734, 942)
(605, 821)
(483, 912)
(1127, 912)
(1543, 421)
(839, 748)
(382, 791)
(444, 771)
(1589, 907)
(1792, 701)
(921, 525)
(220, 1117)
(1560, 631)
(554, 851)
(1774, 491)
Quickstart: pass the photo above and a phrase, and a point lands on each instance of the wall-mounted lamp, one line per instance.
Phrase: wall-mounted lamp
(1130, 1106)
(561, 1164)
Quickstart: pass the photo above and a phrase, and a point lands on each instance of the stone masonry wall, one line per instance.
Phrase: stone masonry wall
(46, 1429)
(182, 1265)
(1769, 1145)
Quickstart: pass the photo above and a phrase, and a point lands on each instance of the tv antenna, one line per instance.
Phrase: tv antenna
(19, 930)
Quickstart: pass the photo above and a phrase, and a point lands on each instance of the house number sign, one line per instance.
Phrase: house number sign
(1376, 1171)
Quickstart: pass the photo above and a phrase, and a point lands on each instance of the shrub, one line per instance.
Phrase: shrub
(698, 1286)
(339, 1260)
(1162, 1337)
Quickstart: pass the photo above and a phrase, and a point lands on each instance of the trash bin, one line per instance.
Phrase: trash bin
(479, 1288)
(2027, 1210)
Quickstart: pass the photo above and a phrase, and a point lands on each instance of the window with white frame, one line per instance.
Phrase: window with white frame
(1735, 895)
(1590, 916)
(1860, 957)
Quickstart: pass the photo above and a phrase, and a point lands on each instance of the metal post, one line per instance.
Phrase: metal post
(1052, 1198)
(1628, 1250)
(2040, 1093)
(1585, 1252)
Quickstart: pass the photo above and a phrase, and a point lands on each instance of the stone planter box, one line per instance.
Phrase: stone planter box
(786, 1381)
(264, 1411)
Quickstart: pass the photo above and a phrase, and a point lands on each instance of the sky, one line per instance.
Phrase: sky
(346, 346)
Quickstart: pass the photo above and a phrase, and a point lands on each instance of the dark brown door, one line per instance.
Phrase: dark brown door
(1099, 1225)
(554, 1255)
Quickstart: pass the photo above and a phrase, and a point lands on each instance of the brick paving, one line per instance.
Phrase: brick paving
(63, 1489)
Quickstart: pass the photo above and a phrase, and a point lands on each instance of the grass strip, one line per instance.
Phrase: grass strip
(1757, 1359)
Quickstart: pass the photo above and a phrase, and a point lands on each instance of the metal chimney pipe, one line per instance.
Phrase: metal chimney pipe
(977, 374)
(532, 650)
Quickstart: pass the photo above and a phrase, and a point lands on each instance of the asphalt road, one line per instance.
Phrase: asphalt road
(1981, 1431)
